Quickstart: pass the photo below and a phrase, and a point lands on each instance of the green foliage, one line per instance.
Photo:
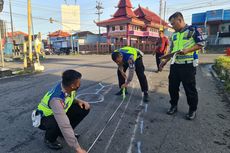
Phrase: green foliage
(222, 67)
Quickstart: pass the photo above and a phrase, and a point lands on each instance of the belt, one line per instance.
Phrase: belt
(185, 62)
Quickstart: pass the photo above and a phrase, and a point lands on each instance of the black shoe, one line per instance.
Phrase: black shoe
(53, 145)
(120, 92)
(146, 97)
(191, 115)
(172, 110)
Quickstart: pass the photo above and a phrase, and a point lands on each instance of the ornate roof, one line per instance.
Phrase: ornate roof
(124, 9)
(145, 14)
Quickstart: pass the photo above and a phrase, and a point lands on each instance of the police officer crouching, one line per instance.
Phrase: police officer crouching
(129, 57)
(61, 112)
(188, 41)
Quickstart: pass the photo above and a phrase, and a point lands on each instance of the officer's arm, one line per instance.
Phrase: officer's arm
(192, 49)
(199, 40)
(83, 104)
(131, 63)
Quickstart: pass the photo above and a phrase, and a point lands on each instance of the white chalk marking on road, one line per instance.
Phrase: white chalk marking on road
(118, 124)
(139, 147)
(101, 97)
(141, 126)
(103, 129)
(135, 129)
(146, 108)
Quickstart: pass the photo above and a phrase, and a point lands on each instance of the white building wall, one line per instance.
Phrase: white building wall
(70, 18)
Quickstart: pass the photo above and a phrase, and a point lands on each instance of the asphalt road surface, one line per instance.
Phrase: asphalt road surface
(115, 125)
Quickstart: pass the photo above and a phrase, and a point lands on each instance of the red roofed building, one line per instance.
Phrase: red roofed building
(60, 39)
(19, 37)
(16, 33)
(59, 33)
(128, 27)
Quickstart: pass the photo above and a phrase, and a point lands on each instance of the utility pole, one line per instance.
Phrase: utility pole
(29, 31)
(2, 53)
(11, 22)
(99, 12)
(162, 10)
(1, 50)
(165, 11)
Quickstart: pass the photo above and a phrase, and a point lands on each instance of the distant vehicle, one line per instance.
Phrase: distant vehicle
(60, 51)
(48, 51)
(62, 47)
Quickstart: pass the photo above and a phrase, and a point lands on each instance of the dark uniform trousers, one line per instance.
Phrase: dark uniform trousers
(184, 73)
(75, 114)
(158, 60)
(139, 68)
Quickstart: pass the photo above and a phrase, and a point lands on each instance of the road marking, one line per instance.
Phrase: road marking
(103, 129)
(118, 124)
(100, 96)
(146, 108)
(135, 129)
(139, 146)
(141, 126)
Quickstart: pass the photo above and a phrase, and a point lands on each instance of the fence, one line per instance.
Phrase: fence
(107, 48)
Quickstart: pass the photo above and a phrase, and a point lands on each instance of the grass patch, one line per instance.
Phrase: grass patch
(222, 68)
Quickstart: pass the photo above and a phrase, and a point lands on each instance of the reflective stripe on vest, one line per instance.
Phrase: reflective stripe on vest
(44, 104)
(182, 41)
(128, 50)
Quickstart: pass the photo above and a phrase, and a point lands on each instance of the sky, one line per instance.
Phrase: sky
(42, 10)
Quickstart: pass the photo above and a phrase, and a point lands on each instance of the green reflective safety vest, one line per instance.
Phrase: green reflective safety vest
(129, 50)
(55, 93)
(181, 41)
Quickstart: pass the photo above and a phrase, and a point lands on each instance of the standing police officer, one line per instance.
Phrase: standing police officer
(129, 57)
(188, 41)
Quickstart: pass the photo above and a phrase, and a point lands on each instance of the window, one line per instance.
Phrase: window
(121, 27)
(113, 28)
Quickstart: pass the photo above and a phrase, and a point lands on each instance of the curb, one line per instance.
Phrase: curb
(213, 72)
(16, 74)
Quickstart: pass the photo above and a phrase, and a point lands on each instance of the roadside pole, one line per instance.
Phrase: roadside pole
(72, 44)
(25, 55)
(2, 53)
(29, 33)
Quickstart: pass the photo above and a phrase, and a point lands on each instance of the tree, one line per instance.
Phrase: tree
(1, 5)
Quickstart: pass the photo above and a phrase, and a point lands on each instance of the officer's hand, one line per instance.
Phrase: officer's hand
(124, 75)
(80, 150)
(124, 85)
(83, 104)
(183, 52)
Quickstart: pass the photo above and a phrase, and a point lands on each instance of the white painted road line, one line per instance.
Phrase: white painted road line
(103, 129)
(135, 129)
(146, 108)
(118, 124)
(141, 126)
(139, 147)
